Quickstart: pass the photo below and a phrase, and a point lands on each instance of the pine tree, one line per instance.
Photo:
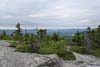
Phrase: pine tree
(42, 34)
(78, 39)
(55, 37)
(3, 35)
(18, 33)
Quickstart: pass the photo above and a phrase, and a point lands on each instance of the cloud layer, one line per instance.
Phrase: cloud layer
(50, 13)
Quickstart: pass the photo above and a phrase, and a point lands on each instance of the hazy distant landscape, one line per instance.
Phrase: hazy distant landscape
(63, 32)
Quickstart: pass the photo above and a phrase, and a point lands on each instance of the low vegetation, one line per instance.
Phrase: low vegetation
(57, 47)
(82, 42)
(23, 48)
(79, 49)
(13, 44)
(87, 42)
(96, 52)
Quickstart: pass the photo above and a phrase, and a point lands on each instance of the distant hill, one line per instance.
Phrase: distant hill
(63, 32)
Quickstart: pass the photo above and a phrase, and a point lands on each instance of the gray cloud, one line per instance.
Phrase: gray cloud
(50, 13)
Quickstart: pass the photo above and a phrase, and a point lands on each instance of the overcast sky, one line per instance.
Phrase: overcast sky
(50, 13)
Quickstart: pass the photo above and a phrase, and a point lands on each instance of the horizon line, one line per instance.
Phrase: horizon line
(11, 28)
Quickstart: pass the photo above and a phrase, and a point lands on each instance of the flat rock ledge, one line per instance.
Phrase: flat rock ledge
(17, 59)
(9, 58)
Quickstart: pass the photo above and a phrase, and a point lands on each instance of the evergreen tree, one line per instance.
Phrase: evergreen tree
(97, 38)
(18, 33)
(78, 39)
(42, 34)
(55, 37)
(3, 35)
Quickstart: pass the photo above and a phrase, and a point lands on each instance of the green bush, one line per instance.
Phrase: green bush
(13, 44)
(23, 48)
(51, 47)
(48, 50)
(56, 47)
(96, 52)
(66, 55)
(79, 49)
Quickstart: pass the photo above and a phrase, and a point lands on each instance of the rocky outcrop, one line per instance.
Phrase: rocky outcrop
(9, 58)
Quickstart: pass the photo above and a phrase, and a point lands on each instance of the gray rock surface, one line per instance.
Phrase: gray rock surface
(9, 58)
(89, 59)
(83, 61)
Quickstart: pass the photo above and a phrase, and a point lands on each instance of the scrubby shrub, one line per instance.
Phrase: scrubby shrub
(66, 55)
(23, 48)
(79, 49)
(48, 50)
(96, 52)
(13, 44)
(57, 47)
(51, 47)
